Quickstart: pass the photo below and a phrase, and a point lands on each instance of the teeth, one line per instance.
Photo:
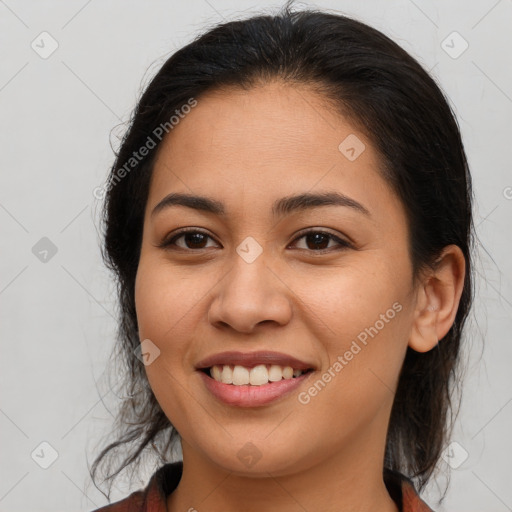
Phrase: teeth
(256, 376)
(240, 375)
(287, 372)
(275, 373)
(216, 372)
(227, 375)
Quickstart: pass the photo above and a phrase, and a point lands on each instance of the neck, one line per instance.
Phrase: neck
(351, 480)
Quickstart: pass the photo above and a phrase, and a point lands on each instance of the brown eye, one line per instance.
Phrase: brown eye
(318, 241)
(315, 241)
(194, 240)
(191, 239)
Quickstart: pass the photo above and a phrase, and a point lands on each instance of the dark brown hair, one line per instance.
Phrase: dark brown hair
(402, 111)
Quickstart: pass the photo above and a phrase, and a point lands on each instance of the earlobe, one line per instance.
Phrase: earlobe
(438, 300)
(424, 330)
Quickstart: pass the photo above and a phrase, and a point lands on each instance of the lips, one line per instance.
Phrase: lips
(236, 390)
(253, 396)
(251, 359)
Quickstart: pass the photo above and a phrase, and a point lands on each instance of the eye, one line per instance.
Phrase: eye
(318, 241)
(315, 241)
(192, 239)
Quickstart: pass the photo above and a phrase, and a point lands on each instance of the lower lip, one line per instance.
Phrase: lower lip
(252, 396)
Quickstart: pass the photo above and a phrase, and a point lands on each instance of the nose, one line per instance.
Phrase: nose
(250, 295)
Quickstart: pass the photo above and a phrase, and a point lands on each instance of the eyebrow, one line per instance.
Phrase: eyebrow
(280, 208)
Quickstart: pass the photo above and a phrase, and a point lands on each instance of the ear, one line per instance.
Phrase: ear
(437, 300)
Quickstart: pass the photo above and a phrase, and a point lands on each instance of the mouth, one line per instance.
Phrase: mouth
(259, 375)
(252, 379)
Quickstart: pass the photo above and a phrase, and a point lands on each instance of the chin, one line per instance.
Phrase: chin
(259, 459)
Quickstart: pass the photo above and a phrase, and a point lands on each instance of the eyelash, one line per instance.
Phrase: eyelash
(343, 244)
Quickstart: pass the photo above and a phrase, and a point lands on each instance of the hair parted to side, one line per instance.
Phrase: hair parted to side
(393, 100)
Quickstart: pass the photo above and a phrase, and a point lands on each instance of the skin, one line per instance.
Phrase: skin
(247, 149)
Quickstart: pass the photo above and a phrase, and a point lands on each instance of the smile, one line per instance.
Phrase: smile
(258, 375)
(252, 379)
(247, 395)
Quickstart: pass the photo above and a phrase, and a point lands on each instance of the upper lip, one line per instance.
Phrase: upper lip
(251, 359)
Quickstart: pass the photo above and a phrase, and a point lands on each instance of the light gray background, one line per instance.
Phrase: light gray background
(57, 317)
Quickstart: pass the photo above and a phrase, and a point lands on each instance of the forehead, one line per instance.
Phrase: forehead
(267, 142)
(273, 122)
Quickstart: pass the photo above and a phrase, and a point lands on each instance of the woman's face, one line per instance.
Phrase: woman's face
(327, 282)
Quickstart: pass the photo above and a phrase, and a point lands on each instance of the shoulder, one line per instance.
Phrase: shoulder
(403, 492)
(133, 503)
(154, 497)
(411, 500)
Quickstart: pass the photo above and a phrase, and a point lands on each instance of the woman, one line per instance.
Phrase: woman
(289, 220)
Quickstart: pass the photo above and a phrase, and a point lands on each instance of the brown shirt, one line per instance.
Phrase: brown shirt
(154, 497)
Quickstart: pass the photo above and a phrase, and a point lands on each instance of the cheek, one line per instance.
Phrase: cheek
(362, 318)
(165, 300)
(166, 307)
(346, 301)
